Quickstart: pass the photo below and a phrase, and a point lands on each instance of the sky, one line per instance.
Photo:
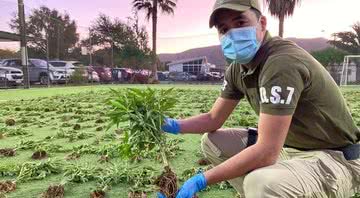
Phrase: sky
(188, 27)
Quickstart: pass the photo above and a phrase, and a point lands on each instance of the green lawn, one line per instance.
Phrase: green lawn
(13, 94)
(46, 112)
(41, 112)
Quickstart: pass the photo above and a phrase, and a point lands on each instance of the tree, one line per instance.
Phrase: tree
(281, 9)
(348, 41)
(329, 56)
(126, 43)
(59, 28)
(5, 53)
(110, 34)
(151, 8)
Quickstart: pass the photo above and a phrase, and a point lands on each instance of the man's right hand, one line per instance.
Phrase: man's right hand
(171, 126)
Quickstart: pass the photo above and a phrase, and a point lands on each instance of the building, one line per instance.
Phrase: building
(194, 66)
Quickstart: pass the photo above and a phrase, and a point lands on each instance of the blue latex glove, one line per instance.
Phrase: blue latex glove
(160, 195)
(192, 186)
(171, 126)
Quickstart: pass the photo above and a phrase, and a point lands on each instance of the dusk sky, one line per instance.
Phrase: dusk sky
(188, 27)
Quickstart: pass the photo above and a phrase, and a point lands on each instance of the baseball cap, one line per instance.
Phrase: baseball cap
(237, 5)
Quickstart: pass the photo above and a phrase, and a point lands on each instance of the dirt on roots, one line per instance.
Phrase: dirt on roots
(97, 194)
(167, 182)
(7, 186)
(39, 155)
(10, 122)
(137, 195)
(8, 152)
(55, 191)
(73, 156)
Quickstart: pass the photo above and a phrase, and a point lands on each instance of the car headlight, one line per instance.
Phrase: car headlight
(55, 73)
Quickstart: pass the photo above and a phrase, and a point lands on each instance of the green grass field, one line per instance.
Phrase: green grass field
(46, 113)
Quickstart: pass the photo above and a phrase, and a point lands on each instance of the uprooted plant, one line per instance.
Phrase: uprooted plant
(75, 173)
(144, 110)
(55, 190)
(39, 170)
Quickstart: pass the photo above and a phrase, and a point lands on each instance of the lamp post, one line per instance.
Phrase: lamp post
(23, 49)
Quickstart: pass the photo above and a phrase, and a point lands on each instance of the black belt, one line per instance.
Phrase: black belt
(252, 136)
(351, 152)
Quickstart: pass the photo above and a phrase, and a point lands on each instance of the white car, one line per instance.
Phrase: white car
(11, 76)
(68, 66)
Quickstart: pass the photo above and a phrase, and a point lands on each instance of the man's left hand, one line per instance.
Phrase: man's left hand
(190, 187)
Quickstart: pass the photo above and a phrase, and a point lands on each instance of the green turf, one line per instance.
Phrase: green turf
(13, 94)
(32, 104)
(193, 99)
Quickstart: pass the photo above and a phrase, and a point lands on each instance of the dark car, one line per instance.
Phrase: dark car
(122, 74)
(104, 73)
(161, 76)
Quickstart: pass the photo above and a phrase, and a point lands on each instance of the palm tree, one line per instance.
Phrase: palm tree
(151, 8)
(281, 9)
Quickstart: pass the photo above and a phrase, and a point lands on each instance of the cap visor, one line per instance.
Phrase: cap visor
(230, 6)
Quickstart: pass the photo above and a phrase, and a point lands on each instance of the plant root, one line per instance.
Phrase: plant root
(39, 155)
(7, 186)
(167, 182)
(97, 194)
(8, 152)
(55, 191)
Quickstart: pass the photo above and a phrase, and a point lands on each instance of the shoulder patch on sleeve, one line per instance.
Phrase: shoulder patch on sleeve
(225, 83)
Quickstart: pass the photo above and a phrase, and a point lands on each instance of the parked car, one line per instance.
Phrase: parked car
(38, 70)
(141, 76)
(104, 73)
(161, 76)
(181, 76)
(91, 74)
(210, 76)
(10, 76)
(122, 74)
(68, 66)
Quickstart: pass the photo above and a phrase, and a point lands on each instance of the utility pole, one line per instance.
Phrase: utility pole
(58, 41)
(47, 59)
(90, 51)
(112, 53)
(23, 44)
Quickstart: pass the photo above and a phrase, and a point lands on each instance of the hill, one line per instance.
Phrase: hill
(215, 56)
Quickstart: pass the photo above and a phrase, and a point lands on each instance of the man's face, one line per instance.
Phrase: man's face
(228, 19)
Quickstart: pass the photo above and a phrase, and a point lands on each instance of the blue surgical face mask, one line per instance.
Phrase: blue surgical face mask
(240, 44)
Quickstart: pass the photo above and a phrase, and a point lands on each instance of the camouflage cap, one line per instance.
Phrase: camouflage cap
(237, 5)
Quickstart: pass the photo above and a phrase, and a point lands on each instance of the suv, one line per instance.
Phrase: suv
(10, 76)
(38, 70)
(68, 66)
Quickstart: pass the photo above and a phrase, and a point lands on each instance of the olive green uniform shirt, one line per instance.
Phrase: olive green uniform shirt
(284, 79)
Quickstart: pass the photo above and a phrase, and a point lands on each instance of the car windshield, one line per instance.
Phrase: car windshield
(57, 64)
(78, 64)
(39, 62)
